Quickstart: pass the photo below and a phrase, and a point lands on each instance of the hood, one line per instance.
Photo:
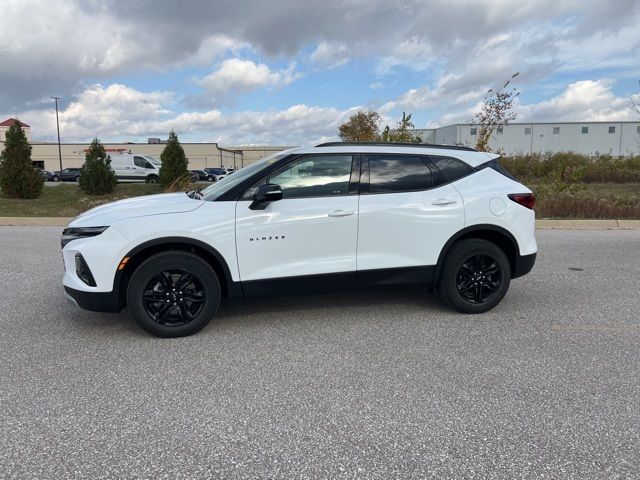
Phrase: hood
(108, 213)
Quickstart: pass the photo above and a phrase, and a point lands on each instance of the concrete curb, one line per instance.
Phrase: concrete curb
(588, 224)
(540, 224)
(35, 221)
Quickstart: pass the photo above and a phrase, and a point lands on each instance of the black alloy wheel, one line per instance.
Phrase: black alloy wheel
(174, 297)
(479, 279)
(173, 293)
(475, 276)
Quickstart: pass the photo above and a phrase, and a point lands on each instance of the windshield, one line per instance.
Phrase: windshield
(153, 160)
(221, 186)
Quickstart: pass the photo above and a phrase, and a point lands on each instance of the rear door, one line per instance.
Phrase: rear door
(312, 231)
(404, 221)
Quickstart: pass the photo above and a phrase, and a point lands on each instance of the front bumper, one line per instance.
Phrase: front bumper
(94, 301)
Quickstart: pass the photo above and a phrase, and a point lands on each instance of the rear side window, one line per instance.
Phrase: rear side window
(497, 167)
(450, 169)
(398, 173)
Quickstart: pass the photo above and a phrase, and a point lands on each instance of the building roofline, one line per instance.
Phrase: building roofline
(542, 123)
(10, 121)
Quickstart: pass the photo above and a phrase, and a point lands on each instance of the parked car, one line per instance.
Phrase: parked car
(334, 216)
(136, 167)
(43, 173)
(66, 175)
(212, 173)
(198, 175)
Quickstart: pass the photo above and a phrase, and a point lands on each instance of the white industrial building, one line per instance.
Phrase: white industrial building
(589, 138)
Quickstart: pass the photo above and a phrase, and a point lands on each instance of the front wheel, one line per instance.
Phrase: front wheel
(56, 178)
(475, 276)
(152, 179)
(173, 294)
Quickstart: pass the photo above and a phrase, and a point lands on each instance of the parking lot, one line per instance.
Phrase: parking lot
(374, 384)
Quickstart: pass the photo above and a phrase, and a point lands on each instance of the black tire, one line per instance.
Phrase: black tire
(154, 282)
(210, 178)
(55, 178)
(151, 179)
(475, 276)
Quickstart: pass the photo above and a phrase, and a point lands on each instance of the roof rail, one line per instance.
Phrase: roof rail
(388, 144)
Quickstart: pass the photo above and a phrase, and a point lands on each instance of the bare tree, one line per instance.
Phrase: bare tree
(402, 133)
(496, 110)
(635, 103)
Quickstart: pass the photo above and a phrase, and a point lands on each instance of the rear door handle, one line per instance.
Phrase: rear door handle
(341, 213)
(444, 201)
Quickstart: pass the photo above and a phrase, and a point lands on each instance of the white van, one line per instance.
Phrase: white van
(133, 166)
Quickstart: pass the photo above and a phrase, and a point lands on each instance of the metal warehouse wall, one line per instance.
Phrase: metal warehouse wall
(522, 138)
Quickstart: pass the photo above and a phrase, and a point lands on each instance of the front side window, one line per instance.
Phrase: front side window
(398, 173)
(139, 162)
(312, 176)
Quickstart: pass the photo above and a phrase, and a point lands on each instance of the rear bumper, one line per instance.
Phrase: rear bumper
(94, 301)
(524, 264)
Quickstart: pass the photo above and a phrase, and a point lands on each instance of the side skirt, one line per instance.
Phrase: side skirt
(335, 282)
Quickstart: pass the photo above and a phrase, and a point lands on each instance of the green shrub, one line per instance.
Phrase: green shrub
(174, 161)
(573, 167)
(18, 178)
(96, 177)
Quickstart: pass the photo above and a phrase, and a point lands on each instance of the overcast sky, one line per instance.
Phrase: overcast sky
(290, 71)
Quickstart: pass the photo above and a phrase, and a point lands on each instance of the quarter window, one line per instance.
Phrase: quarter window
(450, 169)
(315, 176)
(398, 173)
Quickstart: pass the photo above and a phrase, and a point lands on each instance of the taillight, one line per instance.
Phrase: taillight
(527, 200)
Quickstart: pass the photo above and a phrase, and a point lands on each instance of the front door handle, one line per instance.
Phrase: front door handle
(444, 201)
(341, 213)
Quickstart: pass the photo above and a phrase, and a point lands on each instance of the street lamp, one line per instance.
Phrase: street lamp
(58, 126)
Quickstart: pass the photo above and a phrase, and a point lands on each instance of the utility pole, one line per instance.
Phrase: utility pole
(58, 126)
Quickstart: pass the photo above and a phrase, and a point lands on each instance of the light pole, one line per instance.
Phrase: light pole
(58, 126)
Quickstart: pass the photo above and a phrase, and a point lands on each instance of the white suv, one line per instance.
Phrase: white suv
(334, 216)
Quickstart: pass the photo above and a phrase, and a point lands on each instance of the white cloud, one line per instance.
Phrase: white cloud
(330, 55)
(235, 76)
(121, 113)
(586, 100)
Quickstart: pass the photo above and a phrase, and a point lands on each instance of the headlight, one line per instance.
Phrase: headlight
(70, 234)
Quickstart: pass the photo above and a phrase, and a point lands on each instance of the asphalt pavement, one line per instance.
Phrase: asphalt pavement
(374, 384)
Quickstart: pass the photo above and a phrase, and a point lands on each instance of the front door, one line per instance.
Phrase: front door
(310, 232)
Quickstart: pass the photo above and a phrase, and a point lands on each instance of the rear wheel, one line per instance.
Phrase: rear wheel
(475, 276)
(173, 294)
(210, 178)
(77, 179)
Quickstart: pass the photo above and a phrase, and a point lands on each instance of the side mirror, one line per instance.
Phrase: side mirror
(265, 194)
